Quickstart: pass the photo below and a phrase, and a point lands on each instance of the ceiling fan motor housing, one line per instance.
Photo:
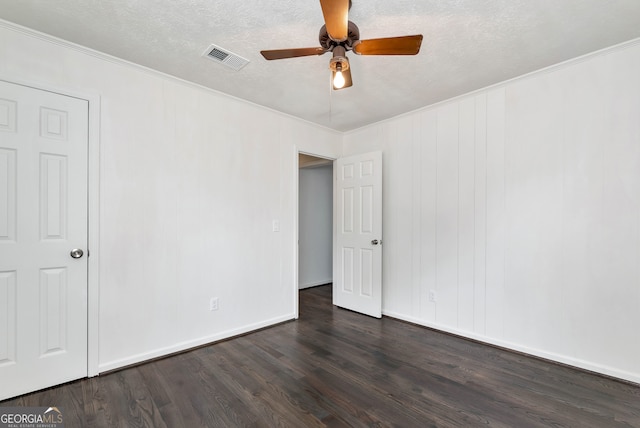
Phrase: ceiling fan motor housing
(329, 44)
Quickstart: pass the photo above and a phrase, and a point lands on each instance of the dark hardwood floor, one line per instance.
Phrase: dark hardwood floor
(337, 368)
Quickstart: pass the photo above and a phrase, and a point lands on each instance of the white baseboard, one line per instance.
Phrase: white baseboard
(563, 359)
(189, 344)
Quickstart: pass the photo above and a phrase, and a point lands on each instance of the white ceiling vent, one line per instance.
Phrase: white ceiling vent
(224, 57)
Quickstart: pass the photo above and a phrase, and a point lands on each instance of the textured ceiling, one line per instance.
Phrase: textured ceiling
(468, 44)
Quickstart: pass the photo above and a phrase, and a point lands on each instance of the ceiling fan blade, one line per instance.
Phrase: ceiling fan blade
(291, 53)
(347, 79)
(404, 45)
(336, 17)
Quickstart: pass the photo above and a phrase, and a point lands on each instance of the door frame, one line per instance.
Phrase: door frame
(93, 209)
(296, 220)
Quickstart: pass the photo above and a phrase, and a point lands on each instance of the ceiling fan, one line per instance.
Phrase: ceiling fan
(340, 35)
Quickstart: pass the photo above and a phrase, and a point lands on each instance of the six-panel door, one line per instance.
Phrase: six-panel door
(358, 234)
(43, 217)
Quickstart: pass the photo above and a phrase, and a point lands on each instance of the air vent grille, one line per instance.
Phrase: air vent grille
(218, 54)
(224, 57)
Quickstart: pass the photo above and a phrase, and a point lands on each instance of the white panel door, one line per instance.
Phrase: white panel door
(357, 282)
(43, 217)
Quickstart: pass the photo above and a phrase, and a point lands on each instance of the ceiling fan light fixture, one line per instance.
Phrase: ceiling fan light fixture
(342, 63)
(339, 59)
(338, 64)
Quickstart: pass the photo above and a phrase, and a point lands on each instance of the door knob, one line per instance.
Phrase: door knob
(374, 242)
(76, 253)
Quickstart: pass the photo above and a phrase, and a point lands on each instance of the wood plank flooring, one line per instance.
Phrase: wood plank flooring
(336, 368)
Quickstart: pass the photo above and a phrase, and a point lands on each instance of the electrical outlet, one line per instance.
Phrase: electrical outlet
(213, 304)
(433, 296)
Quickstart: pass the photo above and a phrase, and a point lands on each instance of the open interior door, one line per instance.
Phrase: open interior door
(357, 255)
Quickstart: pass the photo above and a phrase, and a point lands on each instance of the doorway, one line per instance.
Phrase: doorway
(356, 240)
(315, 221)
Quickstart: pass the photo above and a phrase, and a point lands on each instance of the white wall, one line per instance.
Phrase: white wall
(520, 206)
(188, 193)
(315, 226)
